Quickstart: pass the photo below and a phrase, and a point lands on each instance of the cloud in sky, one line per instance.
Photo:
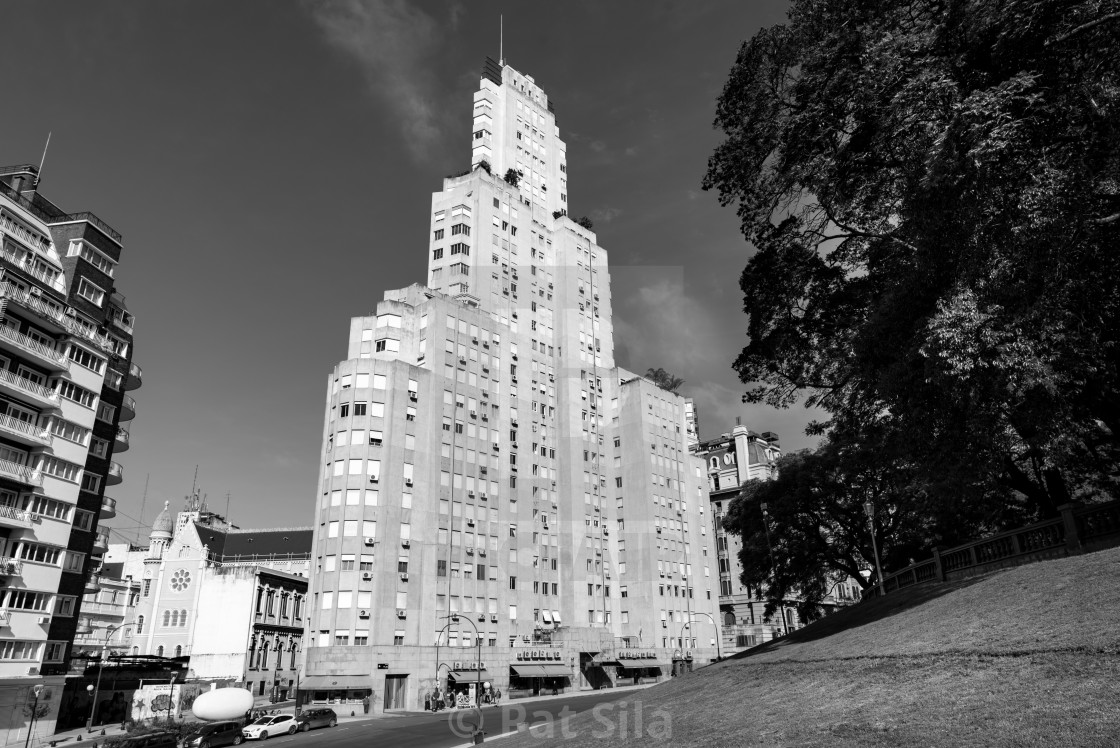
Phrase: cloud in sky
(392, 41)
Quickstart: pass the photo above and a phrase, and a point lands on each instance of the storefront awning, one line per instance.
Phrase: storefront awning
(469, 676)
(633, 664)
(546, 616)
(335, 682)
(552, 670)
(556, 617)
(527, 671)
(605, 662)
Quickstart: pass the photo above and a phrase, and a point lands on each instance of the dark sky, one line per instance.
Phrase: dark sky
(271, 165)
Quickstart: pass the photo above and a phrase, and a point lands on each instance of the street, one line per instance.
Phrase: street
(446, 729)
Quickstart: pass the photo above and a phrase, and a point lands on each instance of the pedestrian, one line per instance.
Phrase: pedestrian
(365, 704)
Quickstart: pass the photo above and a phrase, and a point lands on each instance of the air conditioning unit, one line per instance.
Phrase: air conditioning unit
(375, 442)
(482, 618)
(44, 620)
(470, 523)
(474, 414)
(405, 543)
(514, 356)
(36, 291)
(412, 395)
(485, 417)
(482, 551)
(33, 671)
(71, 312)
(513, 424)
(493, 618)
(463, 361)
(482, 496)
(485, 345)
(371, 541)
(404, 577)
(474, 341)
(367, 576)
(408, 481)
(470, 551)
(363, 614)
(401, 613)
(373, 479)
(664, 625)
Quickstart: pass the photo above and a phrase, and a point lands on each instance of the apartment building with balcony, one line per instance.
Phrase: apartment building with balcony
(489, 477)
(65, 370)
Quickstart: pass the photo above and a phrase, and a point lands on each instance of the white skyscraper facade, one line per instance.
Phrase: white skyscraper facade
(498, 501)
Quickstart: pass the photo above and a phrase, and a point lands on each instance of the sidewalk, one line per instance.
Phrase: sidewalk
(535, 699)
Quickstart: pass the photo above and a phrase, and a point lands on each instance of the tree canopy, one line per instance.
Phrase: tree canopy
(933, 190)
(664, 379)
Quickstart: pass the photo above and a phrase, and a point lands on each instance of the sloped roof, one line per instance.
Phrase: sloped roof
(283, 541)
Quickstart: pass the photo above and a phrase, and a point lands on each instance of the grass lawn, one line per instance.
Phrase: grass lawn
(1023, 657)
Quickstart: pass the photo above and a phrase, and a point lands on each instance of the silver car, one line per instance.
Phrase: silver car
(321, 717)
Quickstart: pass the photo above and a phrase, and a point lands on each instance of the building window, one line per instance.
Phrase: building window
(81, 396)
(90, 292)
(84, 358)
(106, 413)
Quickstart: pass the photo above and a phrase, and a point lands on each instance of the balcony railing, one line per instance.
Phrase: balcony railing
(35, 432)
(10, 567)
(122, 439)
(27, 385)
(34, 347)
(115, 474)
(90, 218)
(16, 515)
(108, 507)
(21, 473)
(27, 266)
(101, 541)
(128, 408)
(135, 377)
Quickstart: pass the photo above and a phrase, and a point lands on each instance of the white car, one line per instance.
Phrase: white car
(278, 724)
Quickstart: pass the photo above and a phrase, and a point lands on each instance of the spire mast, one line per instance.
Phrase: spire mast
(501, 40)
(43, 160)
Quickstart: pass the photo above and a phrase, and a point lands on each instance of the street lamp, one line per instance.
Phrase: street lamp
(773, 567)
(100, 664)
(478, 668)
(171, 695)
(35, 690)
(714, 625)
(869, 509)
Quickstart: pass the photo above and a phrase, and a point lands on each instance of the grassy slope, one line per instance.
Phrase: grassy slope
(1023, 657)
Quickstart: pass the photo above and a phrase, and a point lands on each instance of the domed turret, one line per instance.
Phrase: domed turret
(162, 530)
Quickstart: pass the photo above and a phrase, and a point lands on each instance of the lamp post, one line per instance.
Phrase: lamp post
(100, 664)
(714, 625)
(869, 509)
(438, 637)
(773, 567)
(35, 690)
(171, 695)
(478, 669)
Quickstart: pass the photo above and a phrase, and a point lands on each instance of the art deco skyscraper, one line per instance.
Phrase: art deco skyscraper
(488, 473)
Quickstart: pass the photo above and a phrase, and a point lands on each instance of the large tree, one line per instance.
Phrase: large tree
(933, 190)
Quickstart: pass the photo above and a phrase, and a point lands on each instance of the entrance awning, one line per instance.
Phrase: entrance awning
(634, 664)
(552, 670)
(335, 682)
(468, 676)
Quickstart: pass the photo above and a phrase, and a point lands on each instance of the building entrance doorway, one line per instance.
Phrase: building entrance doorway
(395, 688)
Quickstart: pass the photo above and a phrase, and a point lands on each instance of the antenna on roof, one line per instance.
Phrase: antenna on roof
(227, 507)
(501, 40)
(43, 160)
(194, 483)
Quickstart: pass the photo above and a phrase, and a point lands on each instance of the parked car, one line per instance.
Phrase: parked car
(310, 718)
(213, 735)
(277, 724)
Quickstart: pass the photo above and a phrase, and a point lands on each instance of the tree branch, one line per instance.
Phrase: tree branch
(1107, 219)
(1082, 28)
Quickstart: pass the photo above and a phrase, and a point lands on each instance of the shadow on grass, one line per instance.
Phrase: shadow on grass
(865, 612)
